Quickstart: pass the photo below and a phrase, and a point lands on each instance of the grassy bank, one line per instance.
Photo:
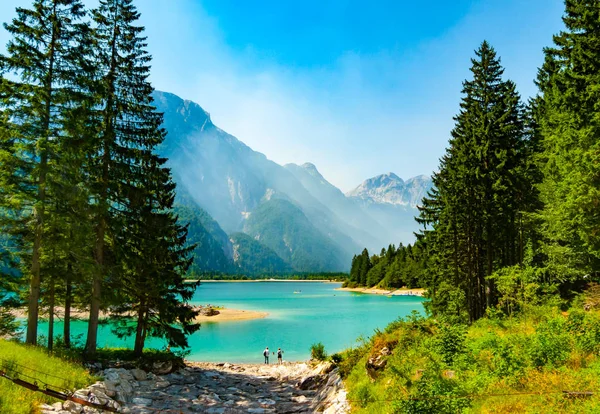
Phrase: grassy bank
(499, 364)
(22, 360)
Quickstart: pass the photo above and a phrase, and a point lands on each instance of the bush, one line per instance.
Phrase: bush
(450, 342)
(317, 351)
(550, 346)
(431, 394)
(336, 358)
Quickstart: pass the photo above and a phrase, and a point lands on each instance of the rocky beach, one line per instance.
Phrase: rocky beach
(214, 388)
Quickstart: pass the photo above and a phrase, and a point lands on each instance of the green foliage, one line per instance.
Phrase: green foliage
(85, 203)
(551, 343)
(317, 352)
(337, 358)
(567, 125)
(434, 394)
(450, 342)
(440, 367)
(518, 287)
(474, 218)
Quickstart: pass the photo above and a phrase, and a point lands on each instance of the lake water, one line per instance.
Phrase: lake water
(295, 321)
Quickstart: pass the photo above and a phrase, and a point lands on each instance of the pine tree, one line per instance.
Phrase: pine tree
(471, 217)
(129, 132)
(42, 58)
(154, 290)
(570, 139)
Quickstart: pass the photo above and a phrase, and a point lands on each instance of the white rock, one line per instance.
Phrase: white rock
(142, 401)
(266, 401)
(72, 407)
(162, 384)
(125, 387)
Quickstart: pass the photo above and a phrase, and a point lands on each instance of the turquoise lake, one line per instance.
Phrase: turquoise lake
(295, 321)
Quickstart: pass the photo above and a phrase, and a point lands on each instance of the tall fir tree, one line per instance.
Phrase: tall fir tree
(473, 213)
(128, 133)
(37, 94)
(567, 111)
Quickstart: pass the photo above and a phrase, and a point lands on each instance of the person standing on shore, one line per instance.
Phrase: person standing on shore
(266, 354)
(279, 356)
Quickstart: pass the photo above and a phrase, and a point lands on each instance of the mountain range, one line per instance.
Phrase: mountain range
(251, 215)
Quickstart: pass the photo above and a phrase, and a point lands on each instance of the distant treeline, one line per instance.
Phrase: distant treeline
(333, 276)
(392, 268)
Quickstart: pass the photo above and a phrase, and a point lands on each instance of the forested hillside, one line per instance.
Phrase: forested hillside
(285, 229)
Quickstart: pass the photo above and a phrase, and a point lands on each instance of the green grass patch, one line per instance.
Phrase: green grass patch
(497, 365)
(27, 361)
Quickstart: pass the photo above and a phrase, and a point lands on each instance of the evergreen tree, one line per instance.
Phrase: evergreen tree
(153, 290)
(122, 99)
(567, 113)
(42, 63)
(472, 215)
(123, 164)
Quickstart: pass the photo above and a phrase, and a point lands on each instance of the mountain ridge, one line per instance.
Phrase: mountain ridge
(230, 181)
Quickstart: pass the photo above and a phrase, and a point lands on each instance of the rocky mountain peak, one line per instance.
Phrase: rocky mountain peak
(391, 189)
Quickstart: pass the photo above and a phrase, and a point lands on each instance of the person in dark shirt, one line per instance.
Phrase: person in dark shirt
(279, 356)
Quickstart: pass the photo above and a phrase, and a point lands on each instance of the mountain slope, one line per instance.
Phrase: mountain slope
(231, 182)
(365, 230)
(228, 179)
(283, 227)
(211, 254)
(253, 258)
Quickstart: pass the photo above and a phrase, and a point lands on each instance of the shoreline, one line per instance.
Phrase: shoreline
(225, 315)
(258, 280)
(393, 292)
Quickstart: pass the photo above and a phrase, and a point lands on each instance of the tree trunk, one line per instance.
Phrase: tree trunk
(140, 335)
(51, 318)
(92, 334)
(90, 346)
(68, 299)
(39, 209)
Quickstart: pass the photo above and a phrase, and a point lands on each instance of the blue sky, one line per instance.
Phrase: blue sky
(357, 88)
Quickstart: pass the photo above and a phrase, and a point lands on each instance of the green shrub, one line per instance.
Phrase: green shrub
(337, 358)
(550, 345)
(433, 394)
(450, 342)
(317, 351)
(364, 394)
(585, 329)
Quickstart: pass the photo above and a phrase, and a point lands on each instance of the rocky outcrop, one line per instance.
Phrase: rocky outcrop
(214, 388)
(378, 359)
